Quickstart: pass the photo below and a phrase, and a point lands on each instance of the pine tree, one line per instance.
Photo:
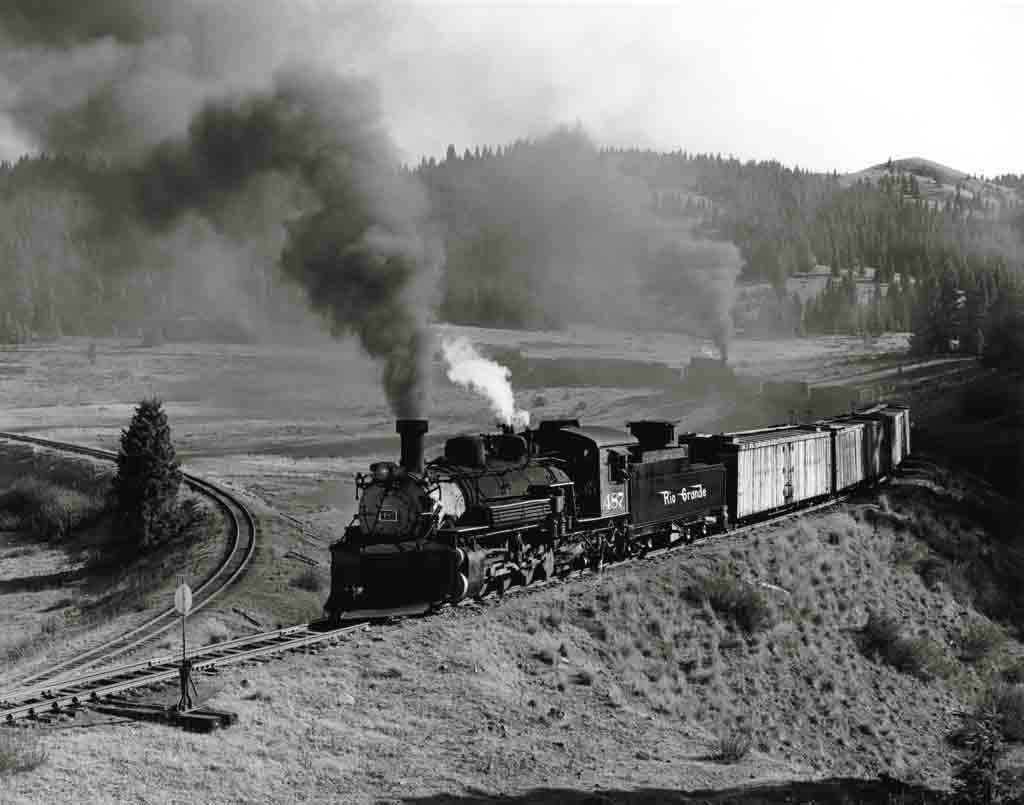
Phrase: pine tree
(148, 477)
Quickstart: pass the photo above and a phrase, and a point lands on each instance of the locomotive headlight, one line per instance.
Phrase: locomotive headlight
(381, 470)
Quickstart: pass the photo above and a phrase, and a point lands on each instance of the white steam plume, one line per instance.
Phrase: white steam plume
(469, 369)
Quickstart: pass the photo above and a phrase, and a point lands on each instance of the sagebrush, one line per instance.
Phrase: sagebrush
(47, 511)
(922, 657)
(732, 747)
(732, 598)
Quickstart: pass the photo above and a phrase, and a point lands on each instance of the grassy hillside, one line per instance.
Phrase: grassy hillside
(842, 645)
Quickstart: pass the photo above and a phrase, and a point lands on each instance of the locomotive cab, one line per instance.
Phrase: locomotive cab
(597, 460)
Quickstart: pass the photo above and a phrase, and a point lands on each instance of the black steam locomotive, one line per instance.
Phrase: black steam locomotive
(512, 508)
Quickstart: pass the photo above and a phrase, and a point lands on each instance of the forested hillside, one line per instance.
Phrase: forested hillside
(538, 233)
(950, 255)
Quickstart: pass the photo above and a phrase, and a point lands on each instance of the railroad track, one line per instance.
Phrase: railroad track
(54, 698)
(242, 545)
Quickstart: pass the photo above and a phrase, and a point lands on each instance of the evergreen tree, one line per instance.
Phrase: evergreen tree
(148, 476)
(1003, 338)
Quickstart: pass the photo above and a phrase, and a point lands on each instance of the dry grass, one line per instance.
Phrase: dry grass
(922, 657)
(309, 580)
(732, 747)
(48, 512)
(979, 640)
(20, 751)
(1007, 701)
(732, 598)
(1014, 671)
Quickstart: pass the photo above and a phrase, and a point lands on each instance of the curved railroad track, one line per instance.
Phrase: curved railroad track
(242, 545)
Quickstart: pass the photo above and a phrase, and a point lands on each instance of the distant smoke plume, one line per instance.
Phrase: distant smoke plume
(703, 274)
(356, 249)
(553, 231)
(469, 369)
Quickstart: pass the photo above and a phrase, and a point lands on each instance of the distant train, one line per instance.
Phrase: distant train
(512, 508)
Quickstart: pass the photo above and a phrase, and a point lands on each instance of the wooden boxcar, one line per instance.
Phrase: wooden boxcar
(895, 425)
(901, 416)
(850, 456)
(770, 469)
(876, 451)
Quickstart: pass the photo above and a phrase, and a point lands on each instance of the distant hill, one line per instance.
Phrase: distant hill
(937, 182)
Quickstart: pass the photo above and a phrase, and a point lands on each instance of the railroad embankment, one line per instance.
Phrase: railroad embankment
(838, 647)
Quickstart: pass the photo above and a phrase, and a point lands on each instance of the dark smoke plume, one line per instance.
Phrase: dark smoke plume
(113, 77)
(356, 249)
(59, 23)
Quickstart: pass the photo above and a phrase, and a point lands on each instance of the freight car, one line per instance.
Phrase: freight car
(771, 469)
(512, 508)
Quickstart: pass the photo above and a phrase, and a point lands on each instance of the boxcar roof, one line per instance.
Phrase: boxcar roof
(787, 435)
(843, 424)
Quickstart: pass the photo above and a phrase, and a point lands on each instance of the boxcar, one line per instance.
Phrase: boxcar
(895, 423)
(850, 457)
(770, 469)
(876, 452)
(901, 415)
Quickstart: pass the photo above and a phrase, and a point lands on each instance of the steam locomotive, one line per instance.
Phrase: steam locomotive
(512, 508)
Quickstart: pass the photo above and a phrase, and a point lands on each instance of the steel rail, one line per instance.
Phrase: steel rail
(242, 546)
(41, 690)
(92, 687)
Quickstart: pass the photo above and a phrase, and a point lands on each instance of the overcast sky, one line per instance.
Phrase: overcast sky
(827, 86)
(820, 84)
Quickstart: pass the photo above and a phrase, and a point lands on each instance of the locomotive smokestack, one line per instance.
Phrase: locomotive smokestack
(411, 431)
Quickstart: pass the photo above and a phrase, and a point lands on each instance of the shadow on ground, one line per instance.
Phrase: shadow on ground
(836, 791)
